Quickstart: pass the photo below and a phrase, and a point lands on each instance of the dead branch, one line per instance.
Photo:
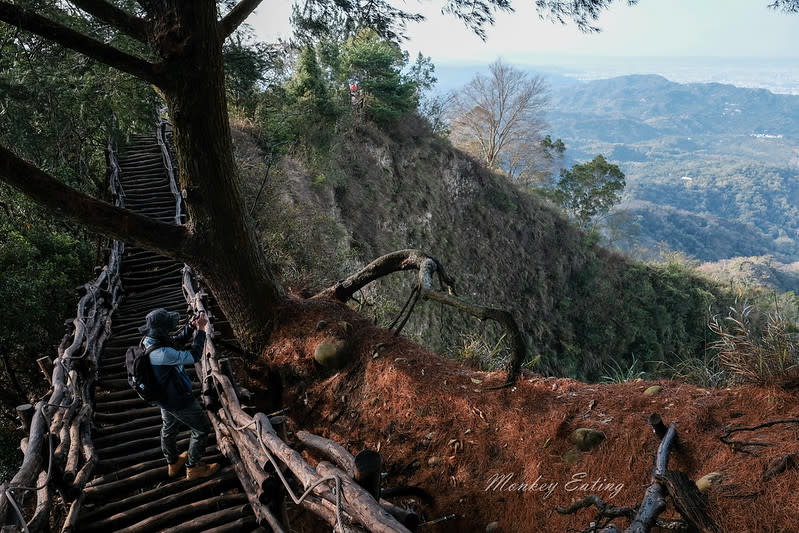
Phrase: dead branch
(654, 501)
(427, 266)
(689, 501)
(605, 509)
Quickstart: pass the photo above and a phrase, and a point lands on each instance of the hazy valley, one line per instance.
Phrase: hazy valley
(711, 169)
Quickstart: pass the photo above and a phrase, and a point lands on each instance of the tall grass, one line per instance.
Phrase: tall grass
(753, 346)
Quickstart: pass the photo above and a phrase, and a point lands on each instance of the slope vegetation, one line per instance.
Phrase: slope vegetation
(583, 308)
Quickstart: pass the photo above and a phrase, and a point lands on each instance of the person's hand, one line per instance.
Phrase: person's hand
(200, 322)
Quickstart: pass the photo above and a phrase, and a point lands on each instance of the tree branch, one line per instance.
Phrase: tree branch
(427, 266)
(116, 18)
(32, 22)
(237, 15)
(102, 217)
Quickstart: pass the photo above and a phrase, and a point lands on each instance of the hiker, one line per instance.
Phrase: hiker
(178, 404)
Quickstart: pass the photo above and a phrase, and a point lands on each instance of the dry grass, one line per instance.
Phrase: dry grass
(753, 348)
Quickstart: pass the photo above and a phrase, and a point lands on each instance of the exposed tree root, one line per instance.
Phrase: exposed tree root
(739, 446)
(427, 266)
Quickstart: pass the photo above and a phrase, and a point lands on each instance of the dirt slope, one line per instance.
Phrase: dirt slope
(438, 429)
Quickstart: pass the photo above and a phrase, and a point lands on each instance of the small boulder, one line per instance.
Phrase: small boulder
(333, 354)
(654, 389)
(707, 481)
(586, 438)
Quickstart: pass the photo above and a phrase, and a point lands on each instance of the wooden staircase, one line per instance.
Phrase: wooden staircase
(130, 490)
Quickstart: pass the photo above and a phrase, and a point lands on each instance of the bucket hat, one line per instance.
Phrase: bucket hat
(159, 323)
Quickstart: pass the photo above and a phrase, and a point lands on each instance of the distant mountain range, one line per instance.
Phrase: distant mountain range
(639, 108)
(712, 169)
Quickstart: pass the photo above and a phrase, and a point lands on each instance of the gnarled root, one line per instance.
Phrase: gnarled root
(427, 266)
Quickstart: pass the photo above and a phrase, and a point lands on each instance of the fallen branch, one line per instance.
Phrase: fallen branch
(687, 498)
(606, 510)
(427, 267)
(654, 501)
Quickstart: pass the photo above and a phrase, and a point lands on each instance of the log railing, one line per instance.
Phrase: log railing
(160, 133)
(58, 453)
(258, 454)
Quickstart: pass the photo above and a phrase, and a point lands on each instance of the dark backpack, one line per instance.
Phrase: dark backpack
(141, 377)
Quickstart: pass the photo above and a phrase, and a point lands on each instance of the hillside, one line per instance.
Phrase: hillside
(437, 428)
(703, 161)
(583, 308)
(763, 271)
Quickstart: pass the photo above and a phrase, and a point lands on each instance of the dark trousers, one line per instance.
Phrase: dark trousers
(192, 416)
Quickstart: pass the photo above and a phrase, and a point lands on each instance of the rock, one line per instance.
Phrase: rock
(707, 481)
(333, 354)
(492, 526)
(586, 439)
(654, 389)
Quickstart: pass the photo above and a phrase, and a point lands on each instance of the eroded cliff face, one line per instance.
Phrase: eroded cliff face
(581, 307)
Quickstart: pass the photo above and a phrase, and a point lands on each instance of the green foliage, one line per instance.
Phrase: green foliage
(618, 372)
(376, 64)
(308, 88)
(65, 107)
(589, 190)
(247, 64)
(42, 263)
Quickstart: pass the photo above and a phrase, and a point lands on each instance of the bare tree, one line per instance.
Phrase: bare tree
(499, 119)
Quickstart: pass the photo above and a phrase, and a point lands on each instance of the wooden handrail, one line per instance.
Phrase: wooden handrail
(254, 443)
(67, 410)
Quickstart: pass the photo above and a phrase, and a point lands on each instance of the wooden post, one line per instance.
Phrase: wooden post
(367, 471)
(658, 426)
(25, 414)
(46, 366)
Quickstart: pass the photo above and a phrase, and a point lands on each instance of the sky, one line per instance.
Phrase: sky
(653, 28)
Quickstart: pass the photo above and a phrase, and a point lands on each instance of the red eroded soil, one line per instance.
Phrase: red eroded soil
(436, 428)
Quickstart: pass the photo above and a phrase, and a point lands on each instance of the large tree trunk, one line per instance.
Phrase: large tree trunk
(186, 40)
(229, 258)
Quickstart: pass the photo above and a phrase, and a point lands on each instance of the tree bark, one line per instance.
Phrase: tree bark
(187, 39)
(231, 263)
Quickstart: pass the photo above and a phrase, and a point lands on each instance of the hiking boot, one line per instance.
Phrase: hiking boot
(174, 468)
(201, 470)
